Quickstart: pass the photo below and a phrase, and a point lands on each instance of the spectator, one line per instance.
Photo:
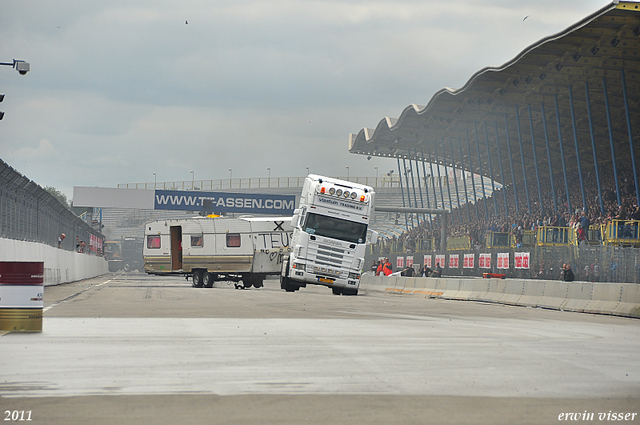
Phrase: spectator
(437, 272)
(408, 272)
(61, 239)
(387, 269)
(568, 275)
(380, 267)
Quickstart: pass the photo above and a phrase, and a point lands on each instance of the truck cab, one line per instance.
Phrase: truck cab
(330, 230)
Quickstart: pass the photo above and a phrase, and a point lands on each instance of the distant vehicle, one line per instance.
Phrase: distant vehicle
(124, 254)
(211, 249)
(329, 236)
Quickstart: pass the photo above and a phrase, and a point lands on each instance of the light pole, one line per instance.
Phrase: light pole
(193, 180)
(155, 181)
(307, 170)
(230, 177)
(269, 179)
(376, 168)
(347, 172)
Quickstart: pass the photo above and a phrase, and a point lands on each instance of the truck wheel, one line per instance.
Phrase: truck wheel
(287, 285)
(207, 280)
(336, 291)
(197, 279)
(258, 283)
(349, 292)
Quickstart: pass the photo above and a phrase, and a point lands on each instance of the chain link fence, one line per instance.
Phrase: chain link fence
(29, 213)
(598, 263)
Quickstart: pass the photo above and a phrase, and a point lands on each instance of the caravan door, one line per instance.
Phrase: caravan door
(176, 248)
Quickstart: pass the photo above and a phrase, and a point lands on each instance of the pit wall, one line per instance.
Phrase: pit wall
(60, 266)
(620, 299)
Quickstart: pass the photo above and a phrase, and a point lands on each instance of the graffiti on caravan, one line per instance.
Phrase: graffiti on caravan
(224, 202)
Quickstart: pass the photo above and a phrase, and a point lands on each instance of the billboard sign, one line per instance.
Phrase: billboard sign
(224, 202)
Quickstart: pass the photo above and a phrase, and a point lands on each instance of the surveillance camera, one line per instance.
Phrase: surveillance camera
(22, 67)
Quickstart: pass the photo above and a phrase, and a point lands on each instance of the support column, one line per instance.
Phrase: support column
(406, 178)
(524, 170)
(484, 193)
(473, 180)
(546, 141)
(633, 156)
(593, 145)
(464, 180)
(535, 160)
(406, 221)
(504, 189)
(575, 140)
(493, 185)
(446, 172)
(513, 175)
(455, 181)
(564, 167)
(613, 153)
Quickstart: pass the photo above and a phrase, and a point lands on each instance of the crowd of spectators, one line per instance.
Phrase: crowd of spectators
(488, 214)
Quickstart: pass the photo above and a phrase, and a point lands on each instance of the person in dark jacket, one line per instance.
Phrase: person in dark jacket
(568, 275)
(408, 272)
(437, 272)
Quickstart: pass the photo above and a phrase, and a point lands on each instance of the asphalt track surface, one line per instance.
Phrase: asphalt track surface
(138, 349)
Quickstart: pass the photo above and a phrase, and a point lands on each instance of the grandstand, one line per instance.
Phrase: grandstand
(557, 126)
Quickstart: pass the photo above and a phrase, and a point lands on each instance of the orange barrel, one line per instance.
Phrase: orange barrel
(21, 296)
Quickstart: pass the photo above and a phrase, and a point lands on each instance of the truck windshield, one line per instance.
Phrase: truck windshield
(336, 228)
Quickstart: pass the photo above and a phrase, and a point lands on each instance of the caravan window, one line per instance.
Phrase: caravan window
(153, 241)
(233, 240)
(197, 241)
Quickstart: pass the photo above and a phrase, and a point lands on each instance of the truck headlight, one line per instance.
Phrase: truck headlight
(354, 275)
(298, 266)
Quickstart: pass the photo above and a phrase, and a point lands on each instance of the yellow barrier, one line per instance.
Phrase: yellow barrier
(553, 236)
(621, 233)
(459, 243)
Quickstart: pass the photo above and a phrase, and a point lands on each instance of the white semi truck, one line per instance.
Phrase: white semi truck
(329, 236)
(240, 250)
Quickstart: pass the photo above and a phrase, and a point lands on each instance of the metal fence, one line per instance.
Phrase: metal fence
(30, 213)
(598, 263)
(253, 183)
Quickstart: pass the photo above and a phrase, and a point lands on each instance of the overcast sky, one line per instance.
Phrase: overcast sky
(119, 90)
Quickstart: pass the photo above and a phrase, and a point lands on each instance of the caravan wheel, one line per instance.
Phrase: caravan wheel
(207, 280)
(197, 280)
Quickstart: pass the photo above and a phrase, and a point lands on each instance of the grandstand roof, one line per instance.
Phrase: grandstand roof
(585, 61)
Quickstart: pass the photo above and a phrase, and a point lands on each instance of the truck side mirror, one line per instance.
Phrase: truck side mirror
(296, 216)
(374, 237)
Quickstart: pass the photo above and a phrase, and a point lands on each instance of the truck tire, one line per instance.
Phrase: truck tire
(287, 284)
(349, 292)
(197, 279)
(258, 282)
(207, 280)
(336, 291)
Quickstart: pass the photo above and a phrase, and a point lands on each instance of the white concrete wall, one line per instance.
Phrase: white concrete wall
(621, 299)
(60, 266)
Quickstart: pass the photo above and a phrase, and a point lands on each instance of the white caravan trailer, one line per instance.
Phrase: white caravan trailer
(218, 249)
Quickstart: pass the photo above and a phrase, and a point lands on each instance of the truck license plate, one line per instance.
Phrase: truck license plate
(325, 280)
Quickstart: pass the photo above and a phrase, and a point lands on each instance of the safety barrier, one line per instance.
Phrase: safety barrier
(60, 266)
(620, 299)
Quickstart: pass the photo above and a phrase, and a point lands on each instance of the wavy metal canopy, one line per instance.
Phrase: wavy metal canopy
(574, 95)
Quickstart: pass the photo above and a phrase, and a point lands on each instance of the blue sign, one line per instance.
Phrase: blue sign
(224, 202)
